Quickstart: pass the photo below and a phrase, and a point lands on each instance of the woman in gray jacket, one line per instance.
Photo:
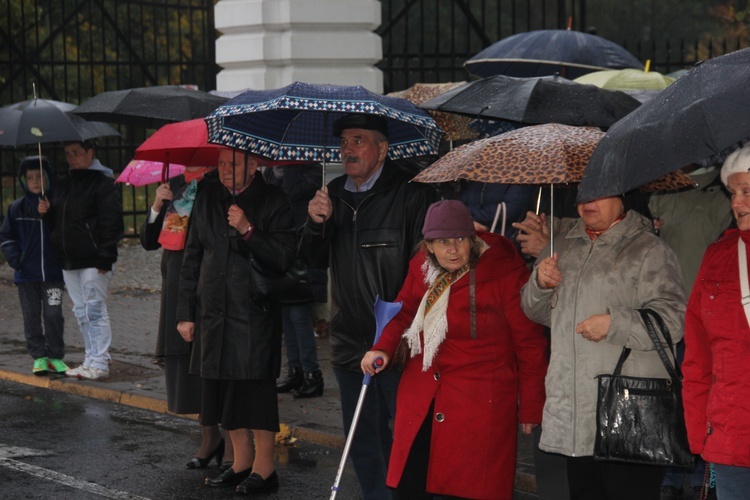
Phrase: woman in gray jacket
(609, 265)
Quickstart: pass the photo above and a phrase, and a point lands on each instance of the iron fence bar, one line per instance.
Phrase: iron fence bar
(472, 21)
(124, 38)
(33, 56)
(386, 28)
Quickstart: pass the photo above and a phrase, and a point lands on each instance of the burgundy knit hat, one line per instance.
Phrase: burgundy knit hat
(447, 219)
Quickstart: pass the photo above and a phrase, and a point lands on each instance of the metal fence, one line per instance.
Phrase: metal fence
(70, 50)
(428, 41)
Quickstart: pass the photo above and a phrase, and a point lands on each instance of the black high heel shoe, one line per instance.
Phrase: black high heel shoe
(202, 463)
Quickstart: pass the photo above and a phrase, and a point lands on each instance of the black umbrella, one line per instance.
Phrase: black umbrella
(39, 121)
(700, 118)
(150, 107)
(535, 101)
(549, 52)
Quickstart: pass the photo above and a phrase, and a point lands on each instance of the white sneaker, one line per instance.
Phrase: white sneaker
(93, 374)
(75, 372)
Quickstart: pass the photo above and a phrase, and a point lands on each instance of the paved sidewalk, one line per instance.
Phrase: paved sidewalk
(137, 380)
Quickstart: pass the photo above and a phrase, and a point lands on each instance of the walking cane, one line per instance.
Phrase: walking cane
(384, 312)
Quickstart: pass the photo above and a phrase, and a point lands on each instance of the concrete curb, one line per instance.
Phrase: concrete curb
(137, 399)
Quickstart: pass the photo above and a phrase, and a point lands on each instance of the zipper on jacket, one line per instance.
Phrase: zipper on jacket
(41, 244)
(354, 271)
(91, 236)
(63, 231)
(377, 245)
(575, 315)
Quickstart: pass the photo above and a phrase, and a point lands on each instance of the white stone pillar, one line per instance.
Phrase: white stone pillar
(267, 44)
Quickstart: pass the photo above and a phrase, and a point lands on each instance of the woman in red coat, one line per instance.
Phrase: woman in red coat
(716, 385)
(475, 366)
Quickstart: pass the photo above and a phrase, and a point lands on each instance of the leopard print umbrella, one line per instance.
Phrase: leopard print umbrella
(542, 154)
(456, 127)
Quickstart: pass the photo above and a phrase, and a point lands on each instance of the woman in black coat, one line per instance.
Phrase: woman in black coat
(239, 220)
(166, 228)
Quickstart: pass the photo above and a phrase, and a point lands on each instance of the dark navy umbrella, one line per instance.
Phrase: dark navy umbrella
(548, 52)
(295, 123)
(699, 118)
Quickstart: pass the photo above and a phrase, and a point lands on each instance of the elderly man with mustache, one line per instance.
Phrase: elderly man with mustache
(365, 225)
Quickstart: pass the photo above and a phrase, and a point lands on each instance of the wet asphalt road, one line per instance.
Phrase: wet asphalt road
(58, 446)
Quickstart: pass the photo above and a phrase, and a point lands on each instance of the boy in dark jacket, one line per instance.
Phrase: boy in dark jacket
(25, 242)
(85, 213)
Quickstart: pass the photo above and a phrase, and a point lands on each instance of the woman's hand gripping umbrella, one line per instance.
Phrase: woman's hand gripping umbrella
(384, 312)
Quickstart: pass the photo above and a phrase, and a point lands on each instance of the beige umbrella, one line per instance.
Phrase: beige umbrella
(551, 153)
(456, 127)
(627, 79)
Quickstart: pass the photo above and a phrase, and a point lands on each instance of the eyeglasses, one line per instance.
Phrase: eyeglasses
(74, 153)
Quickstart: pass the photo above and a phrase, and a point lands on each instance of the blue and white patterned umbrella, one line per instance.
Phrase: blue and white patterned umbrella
(295, 123)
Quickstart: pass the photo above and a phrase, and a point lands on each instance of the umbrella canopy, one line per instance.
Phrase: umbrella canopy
(43, 120)
(626, 79)
(541, 154)
(549, 52)
(535, 101)
(149, 107)
(296, 122)
(677, 74)
(642, 95)
(143, 172)
(698, 119)
(185, 143)
(456, 128)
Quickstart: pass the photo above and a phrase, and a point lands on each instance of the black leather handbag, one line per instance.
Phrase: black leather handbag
(640, 420)
(289, 289)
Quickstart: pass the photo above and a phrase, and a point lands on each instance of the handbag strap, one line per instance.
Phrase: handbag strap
(501, 208)
(744, 287)
(672, 368)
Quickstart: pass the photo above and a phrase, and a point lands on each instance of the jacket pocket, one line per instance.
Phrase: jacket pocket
(379, 244)
(718, 306)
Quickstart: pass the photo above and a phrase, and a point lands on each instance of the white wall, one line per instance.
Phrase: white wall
(266, 44)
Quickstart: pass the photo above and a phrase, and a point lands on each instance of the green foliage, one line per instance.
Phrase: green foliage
(136, 202)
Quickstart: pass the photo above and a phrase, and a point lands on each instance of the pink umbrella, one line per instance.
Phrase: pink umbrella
(143, 172)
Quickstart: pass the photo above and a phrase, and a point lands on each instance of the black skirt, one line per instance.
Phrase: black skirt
(183, 389)
(240, 404)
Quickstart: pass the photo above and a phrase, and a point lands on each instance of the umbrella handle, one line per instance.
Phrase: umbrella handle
(551, 220)
(42, 173)
(377, 363)
(165, 173)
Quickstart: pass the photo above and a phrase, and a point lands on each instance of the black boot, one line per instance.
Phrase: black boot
(312, 387)
(293, 380)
